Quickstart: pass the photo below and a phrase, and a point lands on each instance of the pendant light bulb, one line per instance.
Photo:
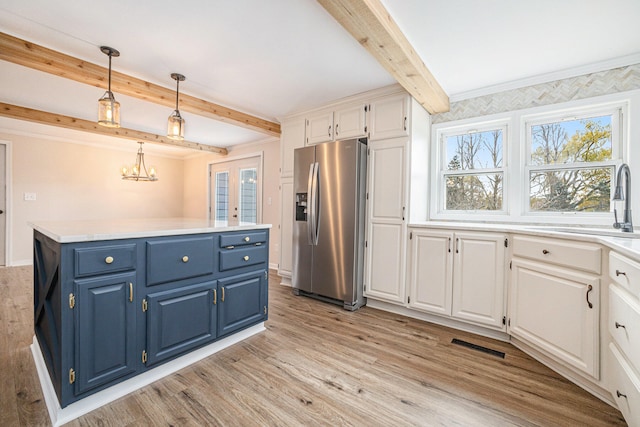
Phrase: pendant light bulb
(175, 125)
(108, 107)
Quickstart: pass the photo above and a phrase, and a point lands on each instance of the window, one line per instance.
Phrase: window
(570, 163)
(472, 170)
(550, 164)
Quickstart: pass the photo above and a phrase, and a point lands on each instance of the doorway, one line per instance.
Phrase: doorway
(235, 191)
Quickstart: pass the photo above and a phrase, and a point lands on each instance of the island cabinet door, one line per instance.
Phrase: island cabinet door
(105, 330)
(179, 320)
(243, 301)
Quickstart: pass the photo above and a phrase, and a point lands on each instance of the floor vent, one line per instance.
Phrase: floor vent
(478, 348)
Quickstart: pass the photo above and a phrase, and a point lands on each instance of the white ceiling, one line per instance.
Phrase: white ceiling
(277, 57)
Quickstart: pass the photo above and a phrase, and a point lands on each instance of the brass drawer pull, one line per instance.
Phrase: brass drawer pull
(185, 259)
(246, 258)
(215, 297)
(108, 259)
(222, 299)
(246, 239)
(620, 325)
(620, 273)
(545, 252)
(130, 292)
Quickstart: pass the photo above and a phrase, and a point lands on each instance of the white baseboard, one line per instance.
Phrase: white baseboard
(20, 263)
(60, 416)
(273, 266)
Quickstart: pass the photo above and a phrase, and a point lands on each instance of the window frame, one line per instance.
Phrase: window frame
(516, 148)
(559, 116)
(442, 174)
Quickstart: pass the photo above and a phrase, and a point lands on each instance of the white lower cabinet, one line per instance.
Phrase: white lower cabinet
(459, 274)
(286, 227)
(557, 310)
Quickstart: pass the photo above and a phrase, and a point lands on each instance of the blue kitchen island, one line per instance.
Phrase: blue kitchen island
(119, 304)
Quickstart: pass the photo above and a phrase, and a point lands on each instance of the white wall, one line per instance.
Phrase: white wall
(74, 181)
(196, 179)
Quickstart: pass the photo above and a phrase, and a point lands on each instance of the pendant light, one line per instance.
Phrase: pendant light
(108, 107)
(138, 172)
(175, 126)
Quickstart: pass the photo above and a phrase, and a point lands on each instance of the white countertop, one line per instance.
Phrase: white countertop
(87, 231)
(627, 244)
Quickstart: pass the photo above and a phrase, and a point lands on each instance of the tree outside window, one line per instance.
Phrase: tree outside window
(474, 172)
(571, 165)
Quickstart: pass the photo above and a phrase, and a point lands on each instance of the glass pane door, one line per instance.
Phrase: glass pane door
(221, 200)
(248, 195)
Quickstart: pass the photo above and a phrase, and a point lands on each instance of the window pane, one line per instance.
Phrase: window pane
(474, 150)
(584, 140)
(474, 192)
(222, 196)
(575, 190)
(248, 195)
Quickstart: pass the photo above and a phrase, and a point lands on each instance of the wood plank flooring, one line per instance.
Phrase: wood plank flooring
(316, 364)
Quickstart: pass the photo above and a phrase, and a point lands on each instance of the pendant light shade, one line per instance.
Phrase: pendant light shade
(108, 107)
(175, 125)
(138, 171)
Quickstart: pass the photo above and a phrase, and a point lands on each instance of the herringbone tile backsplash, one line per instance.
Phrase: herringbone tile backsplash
(586, 86)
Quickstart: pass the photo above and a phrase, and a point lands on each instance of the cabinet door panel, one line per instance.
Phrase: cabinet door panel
(105, 324)
(389, 117)
(242, 301)
(431, 271)
(386, 232)
(179, 320)
(320, 128)
(550, 309)
(286, 229)
(478, 278)
(293, 136)
(350, 122)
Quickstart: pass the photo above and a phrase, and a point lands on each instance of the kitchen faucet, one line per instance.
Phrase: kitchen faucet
(626, 224)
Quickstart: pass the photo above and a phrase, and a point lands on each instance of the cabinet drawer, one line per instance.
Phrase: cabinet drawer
(625, 387)
(239, 239)
(176, 259)
(242, 257)
(104, 259)
(575, 255)
(625, 272)
(624, 323)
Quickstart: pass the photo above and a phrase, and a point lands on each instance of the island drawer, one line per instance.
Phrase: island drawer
(625, 272)
(624, 322)
(241, 239)
(571, 254)
(242, 257)
(169, 260)
(91, 261)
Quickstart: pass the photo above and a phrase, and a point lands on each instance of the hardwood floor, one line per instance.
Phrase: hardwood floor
(316, 364)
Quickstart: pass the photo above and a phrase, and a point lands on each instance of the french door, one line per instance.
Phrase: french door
(236, 191)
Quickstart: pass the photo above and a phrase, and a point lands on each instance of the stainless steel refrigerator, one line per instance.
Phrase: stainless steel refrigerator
(329, 221)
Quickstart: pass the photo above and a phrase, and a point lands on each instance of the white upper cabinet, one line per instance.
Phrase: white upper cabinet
(350, 122)
(320, 128)
(293, 132)
(286, 227)
(389, 117)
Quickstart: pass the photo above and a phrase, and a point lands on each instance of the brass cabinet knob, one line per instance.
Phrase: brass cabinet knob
(185, 259)
(246, 239)
(246, 258)
(108, 259)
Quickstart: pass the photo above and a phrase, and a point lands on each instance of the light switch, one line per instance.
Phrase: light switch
(30, 196)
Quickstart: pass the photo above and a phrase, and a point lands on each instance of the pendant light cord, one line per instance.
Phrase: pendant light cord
(109, 72)
(177, 92)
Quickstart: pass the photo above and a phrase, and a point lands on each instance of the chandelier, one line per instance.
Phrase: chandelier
(138, 172)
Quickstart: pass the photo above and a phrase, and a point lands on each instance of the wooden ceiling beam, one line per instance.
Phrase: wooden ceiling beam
(369, 22)
(46, 118)
(22, 52)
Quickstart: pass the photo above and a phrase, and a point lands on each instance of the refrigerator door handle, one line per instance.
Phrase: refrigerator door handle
(316, 204)
(310, 203)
